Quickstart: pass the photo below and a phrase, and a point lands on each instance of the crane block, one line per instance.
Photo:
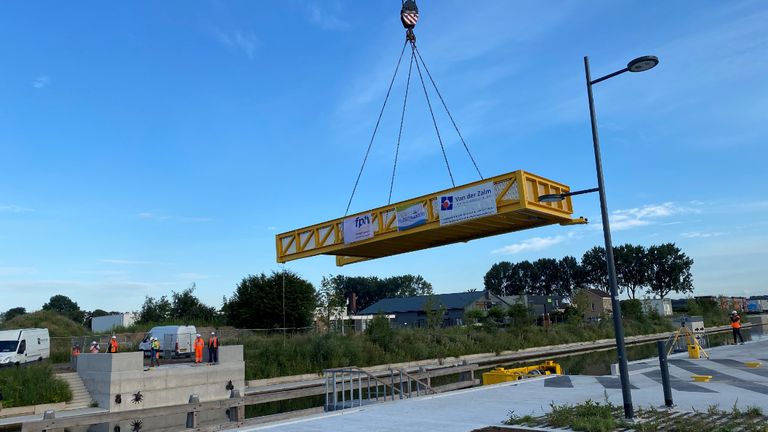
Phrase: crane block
(493, 206)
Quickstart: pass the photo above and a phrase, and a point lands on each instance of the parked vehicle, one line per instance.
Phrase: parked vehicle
(175, 340)
(757, 306)
(24, 346)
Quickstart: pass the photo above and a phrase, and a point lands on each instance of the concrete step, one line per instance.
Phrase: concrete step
(80, 396)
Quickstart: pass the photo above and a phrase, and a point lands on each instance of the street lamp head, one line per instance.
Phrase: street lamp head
(642, 64)
(551, 198)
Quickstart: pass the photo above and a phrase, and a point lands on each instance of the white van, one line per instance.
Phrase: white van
(175, 340)
(24, 346)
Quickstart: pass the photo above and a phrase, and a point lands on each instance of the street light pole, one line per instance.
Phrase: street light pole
(617, 326)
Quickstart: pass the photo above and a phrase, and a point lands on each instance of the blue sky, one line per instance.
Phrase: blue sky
(145, 146)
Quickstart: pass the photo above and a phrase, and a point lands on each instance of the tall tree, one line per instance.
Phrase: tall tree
(258, 301)
(669, 270)
(547, 277)
(522, 278)
(496, 279)
(370, 289)
(13, 313)
(65, 306)
(632, 268)
(186, 306)
(407, 285)
(594, 268)
(155, 310)
(571, 277)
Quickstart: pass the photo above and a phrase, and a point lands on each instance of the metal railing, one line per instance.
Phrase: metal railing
(352, 386)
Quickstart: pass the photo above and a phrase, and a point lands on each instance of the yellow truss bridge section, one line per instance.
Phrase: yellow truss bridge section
(493, 206)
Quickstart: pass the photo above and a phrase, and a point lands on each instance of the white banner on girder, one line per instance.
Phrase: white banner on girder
(358, 228)
(410, 216)
(468, 203)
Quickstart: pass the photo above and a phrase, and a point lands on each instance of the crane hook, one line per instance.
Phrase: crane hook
(409, 15)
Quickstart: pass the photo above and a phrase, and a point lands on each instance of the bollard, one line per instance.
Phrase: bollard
(49, 415)
(664, 373)
(236, 413)
(192, 415)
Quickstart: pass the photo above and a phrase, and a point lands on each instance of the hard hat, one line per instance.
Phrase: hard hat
(213, 333)
(198, 335)
(94, 343)
(114, 337)
(733, 313)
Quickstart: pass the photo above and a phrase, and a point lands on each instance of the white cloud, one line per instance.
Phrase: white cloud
(244, 41)
(532, 244)
(324, 18)
(152, 216)
(196, 219)
(645, 215)
(14, 209)
(193, 276)
(16, 271)
(41, 82)
(699, 234)
(127, 262)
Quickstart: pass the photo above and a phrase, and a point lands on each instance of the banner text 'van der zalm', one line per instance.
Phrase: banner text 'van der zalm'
(467, 203)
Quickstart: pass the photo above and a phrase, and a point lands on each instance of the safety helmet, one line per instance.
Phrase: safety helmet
(94, 343)
(198, 335)
(114, 337)
(734, 313)
(213, 334)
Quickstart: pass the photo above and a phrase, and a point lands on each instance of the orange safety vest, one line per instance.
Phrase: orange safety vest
(113, 346)
(199, 344)
(213, 342)
(736, 322)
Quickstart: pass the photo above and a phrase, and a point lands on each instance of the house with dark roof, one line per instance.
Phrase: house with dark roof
(412, 311)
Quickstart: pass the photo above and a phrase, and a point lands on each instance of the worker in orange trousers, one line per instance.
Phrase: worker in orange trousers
(199, 345)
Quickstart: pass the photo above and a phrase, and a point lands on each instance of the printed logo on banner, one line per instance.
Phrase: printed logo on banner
(358, 228)
(468, 203)
(410, 216)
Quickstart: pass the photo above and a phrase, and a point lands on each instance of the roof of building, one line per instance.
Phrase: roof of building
(411, 304)
(597, 292)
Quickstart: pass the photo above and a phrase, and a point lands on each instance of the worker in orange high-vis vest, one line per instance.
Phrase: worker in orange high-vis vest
(213, 349)
(736, 326)
(199, 345)
(112, 345)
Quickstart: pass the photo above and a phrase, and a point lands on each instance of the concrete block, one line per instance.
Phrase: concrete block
(230, 354)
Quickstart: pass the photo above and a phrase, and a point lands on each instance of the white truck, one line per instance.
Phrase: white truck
(24, 346)
(175, 340)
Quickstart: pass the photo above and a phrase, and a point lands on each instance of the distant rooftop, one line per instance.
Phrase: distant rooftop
(412, 304)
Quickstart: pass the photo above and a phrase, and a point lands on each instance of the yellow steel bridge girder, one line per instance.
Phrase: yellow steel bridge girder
(517, 208)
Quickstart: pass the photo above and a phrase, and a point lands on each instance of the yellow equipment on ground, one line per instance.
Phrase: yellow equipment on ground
(695, 350)
(500, 375)
(496, 205)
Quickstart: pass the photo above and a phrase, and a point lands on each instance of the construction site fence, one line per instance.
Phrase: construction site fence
(63, 348)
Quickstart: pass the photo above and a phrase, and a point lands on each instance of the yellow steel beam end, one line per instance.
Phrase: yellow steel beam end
(577, 221)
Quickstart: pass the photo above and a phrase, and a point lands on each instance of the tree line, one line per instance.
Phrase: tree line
(656, 271)
(257, 301)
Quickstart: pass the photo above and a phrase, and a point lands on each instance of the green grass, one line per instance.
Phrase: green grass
(592, 416)
(266, 355)
(57, 325)
(32, 385)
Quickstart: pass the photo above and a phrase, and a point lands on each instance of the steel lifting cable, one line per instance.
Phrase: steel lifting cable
(376, 128)
(418, 53)
(429, 104)
(400, 134)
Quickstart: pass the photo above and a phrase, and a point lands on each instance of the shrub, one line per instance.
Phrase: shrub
(32, 385)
